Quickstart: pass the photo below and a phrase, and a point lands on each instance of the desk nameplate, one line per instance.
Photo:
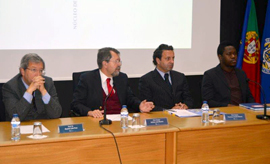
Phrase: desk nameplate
(70, 128)
(156, 122)
(235, 117)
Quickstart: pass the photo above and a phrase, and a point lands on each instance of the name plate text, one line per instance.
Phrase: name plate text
(70, 128)
(156, 122)
(235, 117)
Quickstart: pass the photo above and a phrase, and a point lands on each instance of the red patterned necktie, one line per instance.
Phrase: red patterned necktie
(109, 86)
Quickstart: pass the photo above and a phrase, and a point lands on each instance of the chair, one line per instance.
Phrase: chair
(195, 83)
(2, 106)
(75, 79)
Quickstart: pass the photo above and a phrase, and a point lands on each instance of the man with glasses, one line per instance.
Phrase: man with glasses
(30, 94)
(106, 84)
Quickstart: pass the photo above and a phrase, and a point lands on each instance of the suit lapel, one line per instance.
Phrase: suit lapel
(174, 82)
(99, 88)
(118, 87)
(221, 76)
(22, 88)
(240, 81)
(159, 80)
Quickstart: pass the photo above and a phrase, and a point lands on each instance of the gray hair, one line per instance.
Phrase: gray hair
(31, 57)
(104, 54)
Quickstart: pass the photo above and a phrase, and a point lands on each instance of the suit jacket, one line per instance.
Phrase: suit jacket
(152, 87)
(216, 90)
(14, 101)
(88, 95)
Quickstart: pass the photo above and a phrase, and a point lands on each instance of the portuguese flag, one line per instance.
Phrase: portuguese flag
(249, 52)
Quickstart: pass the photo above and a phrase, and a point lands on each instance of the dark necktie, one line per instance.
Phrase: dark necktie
(34, 102)
(166, 76)
(109, 86)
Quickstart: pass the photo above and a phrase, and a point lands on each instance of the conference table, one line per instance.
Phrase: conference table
(184, 140)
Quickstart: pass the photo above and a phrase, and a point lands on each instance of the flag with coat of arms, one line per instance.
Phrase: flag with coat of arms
(249, 51)
(265, 56)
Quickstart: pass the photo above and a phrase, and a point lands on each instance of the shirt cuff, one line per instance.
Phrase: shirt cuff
(46, 98)
(28, 97)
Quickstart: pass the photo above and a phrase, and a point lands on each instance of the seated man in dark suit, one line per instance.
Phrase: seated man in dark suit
(94, 86)
(225, 85)
(30, 94)
(165, 87)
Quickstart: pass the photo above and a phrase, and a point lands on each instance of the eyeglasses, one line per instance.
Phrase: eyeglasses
(116, 61)
(35, 71)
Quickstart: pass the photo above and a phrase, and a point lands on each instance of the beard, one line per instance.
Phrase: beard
(116, 72)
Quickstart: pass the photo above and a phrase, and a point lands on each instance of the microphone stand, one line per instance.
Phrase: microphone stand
(106, 121)
(264, 116)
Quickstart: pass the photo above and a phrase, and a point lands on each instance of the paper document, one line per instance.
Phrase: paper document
(116, 117)
(28, 129)
(183, 113)
(189, 112)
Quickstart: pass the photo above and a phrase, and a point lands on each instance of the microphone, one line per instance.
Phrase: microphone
(106, 121)
(264, 116)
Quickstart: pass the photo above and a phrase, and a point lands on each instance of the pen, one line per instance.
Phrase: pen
(175, 115)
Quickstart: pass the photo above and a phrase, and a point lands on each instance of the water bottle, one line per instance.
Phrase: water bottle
(205, 112)
(15, 128)
(124, 117)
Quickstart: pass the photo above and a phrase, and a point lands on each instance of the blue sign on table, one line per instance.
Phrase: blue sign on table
(156, 122)
(235, 117)
(70, 128)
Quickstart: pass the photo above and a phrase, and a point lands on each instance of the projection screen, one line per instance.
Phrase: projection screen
(68, 33)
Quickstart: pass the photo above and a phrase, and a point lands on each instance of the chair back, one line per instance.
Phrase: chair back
(2, 106)
(76, 78)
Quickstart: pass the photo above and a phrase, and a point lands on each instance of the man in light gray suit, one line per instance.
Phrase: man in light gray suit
(30, 94)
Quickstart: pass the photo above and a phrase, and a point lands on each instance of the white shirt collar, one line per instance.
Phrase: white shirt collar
(104, 82)
(162, 73)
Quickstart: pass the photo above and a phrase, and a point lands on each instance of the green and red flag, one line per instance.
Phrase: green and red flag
(249, 51)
